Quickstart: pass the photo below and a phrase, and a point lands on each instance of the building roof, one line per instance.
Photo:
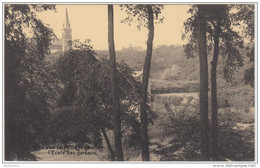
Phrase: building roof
(137, 73)
(56, 42)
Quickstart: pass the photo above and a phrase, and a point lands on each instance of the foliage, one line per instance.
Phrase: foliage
(165, 57)
(163, 86)
(29, 82)
(139, 14)
(181, 126)
(172, 74)
(77, 72)
(18, 17)
(239, 98)
(244, 18)
(236, 144)
(231, 42)
(70, 124)
(85, 102)
(241, 17)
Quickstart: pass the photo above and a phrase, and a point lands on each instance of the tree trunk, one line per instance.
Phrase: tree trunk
(108, 145)
(204, 123)
(116, 106)
(146, 73)
(214, 99)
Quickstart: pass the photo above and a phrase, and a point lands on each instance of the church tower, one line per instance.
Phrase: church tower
(66, 34)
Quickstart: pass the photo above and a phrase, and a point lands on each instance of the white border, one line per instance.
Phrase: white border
(138, 163)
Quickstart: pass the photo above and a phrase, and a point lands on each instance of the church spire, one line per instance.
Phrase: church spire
(67, 23)
(66, 34)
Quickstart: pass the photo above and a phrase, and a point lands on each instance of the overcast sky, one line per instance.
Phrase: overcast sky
(90, 22)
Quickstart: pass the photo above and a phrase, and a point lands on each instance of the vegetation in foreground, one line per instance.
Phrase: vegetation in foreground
(69, 104)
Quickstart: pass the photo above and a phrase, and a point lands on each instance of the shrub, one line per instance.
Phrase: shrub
(172, 74)
(181, 125)
(239, 98)
(235, 143)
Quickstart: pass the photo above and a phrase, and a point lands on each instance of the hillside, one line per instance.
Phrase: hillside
(163, 57)
(170, 68)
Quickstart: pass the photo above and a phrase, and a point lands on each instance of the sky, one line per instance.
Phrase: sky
(90, 22)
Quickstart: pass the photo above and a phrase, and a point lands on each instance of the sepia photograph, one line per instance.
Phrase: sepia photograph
(132, 82)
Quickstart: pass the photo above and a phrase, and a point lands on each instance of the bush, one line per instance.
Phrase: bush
(236, 144)
(70, 124)
(172, 74)
(181, 125)
(240, 98)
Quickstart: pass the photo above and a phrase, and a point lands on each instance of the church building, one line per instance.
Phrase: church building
(61, 45)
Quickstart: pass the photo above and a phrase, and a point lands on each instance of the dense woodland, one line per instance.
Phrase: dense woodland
(201, 105)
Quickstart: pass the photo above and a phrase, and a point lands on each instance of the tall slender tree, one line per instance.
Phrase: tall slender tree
(216, 15)
(116, 105)
(214, 99)
(203, 99)
(146, 72)
(229, 43)
(145, 15)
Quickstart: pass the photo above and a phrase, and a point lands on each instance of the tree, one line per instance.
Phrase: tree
(85, 104)
(28, 83)
(217, 18)
(225, 41)
(116, 106)
(147, 63)
(145, 17)
(202, 44)
(229, 43)
(214, 100)
(82, 113)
